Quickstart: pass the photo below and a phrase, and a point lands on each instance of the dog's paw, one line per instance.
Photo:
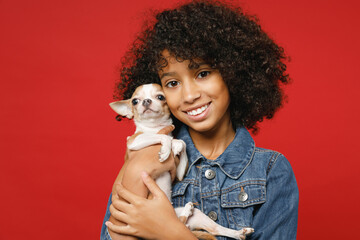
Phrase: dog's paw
(244, 232)
(165, 149)
(164, 154)
(177, 146)
(188, 209)
(247, 231)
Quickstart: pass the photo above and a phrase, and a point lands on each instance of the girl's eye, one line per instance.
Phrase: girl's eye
(172, 84)
(160, 97)
(203, 74)
(135, 101)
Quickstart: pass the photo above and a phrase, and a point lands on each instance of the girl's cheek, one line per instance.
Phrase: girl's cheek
(171, 105)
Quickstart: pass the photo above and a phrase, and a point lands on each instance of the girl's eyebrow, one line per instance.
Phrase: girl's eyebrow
(191, 66)
(171, 74)
(197, 65)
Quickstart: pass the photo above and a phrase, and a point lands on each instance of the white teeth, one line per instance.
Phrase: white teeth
(197, 111)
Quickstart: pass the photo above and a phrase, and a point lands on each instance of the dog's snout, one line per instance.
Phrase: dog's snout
(146, 102)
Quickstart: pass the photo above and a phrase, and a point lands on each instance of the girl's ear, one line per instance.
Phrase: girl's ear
(123, 108)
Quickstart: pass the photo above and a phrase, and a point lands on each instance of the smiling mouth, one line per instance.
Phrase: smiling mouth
(197, 111)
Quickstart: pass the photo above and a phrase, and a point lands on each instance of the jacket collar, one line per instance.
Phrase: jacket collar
(233, 161)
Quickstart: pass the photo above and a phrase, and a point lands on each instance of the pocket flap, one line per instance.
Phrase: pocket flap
(244, 194)
(179, 188)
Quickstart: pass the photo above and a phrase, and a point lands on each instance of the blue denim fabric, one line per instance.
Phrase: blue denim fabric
(271, 205)
(104, 235)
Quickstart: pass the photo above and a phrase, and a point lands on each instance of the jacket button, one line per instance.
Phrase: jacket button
(210, 174)
(243, 196)
(212, 215)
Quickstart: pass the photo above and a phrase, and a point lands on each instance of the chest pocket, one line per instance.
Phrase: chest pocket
(240, 200)
(178, 193)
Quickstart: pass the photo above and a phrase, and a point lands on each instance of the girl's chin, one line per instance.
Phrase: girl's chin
(201, 127)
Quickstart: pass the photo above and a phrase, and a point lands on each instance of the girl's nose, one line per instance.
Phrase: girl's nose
(190, 91)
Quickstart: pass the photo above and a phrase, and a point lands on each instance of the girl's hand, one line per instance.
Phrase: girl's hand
(136, 162)
(146, 159)
(146, 218)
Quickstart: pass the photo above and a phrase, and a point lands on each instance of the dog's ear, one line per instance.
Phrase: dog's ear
(123, 108)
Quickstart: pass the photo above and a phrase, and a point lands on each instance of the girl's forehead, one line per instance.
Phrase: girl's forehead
(169, 61)
(169, 57)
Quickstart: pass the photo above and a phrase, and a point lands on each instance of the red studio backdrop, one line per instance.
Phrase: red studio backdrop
(61, 148)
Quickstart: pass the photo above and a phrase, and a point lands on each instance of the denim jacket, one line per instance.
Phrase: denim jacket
(245, 186)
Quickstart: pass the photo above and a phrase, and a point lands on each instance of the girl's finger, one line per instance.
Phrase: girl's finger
(118, 215)
(121, 205)
(151, 185)
(126, 194)
(126, 230)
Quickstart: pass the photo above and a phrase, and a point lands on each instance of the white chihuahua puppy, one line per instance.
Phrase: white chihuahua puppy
(148, 108)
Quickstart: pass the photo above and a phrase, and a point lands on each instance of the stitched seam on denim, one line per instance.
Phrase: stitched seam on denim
(240, 226)
(219, 210)
(227, 216)
(204, 193)
(262, 150)
(192, 195)
(242, 184)
(187, 180)
(232, 204)
(236, 224)
(260, 199)
(270, 162)
(232, 217)
(183, 187)
(212, 195)
(264, 193)
(192, 164)
(273, 159)
(243, 170)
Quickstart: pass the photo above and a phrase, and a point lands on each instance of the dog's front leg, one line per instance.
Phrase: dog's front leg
(148, 139)
(179, 148)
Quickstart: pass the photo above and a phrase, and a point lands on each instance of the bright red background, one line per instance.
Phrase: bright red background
(60, 147)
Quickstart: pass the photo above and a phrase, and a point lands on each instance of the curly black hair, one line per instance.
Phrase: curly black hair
(250, 62)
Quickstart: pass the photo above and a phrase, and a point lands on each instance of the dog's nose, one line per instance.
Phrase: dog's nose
(146, 102)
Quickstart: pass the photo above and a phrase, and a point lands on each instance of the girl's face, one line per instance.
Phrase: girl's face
(198, 97)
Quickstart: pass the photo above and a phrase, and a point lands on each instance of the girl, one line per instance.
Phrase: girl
(221, 74)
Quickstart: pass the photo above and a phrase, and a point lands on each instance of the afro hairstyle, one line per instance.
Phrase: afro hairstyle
(250, 62)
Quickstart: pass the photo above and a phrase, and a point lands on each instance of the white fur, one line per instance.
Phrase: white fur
(151, 123)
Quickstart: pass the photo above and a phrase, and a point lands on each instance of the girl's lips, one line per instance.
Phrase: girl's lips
(199, 113)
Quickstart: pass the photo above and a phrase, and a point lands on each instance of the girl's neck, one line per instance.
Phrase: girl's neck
(213, 143)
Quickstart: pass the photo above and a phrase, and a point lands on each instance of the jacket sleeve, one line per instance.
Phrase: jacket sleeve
(104, 231)
(277, 217)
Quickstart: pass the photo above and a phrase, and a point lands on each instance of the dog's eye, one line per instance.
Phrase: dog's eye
(135, 101)
(160, 97)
